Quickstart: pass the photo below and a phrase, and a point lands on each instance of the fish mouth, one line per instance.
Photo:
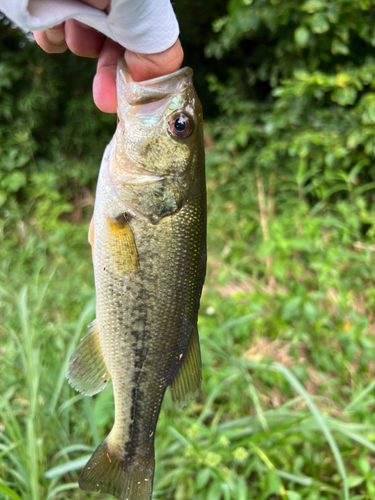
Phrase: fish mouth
(148, 91)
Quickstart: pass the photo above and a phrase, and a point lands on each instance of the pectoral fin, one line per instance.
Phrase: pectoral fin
(91, 232)
(87, 371)
(122, 247)
(186, 385)
(91, 236)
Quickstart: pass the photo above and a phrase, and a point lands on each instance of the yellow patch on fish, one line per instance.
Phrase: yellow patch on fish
(91, 236)
(122, 247)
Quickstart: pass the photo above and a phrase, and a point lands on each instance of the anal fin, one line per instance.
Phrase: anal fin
(87, 371)
(186, 385)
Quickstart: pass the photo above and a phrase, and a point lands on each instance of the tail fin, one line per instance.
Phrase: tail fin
(107, 473)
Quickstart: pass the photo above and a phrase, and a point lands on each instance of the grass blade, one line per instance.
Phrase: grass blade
(238, 321)
(63, 487)
(71, 449)
(319, 418)
(353, 404)
(62, 469)
(83, 319)
(9, 492)
(303, 480)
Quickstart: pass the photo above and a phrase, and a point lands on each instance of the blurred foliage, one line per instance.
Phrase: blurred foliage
(49, 130)
(299, 94)
(287, 318)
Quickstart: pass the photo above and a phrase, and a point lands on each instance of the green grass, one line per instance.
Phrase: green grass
(287, 329)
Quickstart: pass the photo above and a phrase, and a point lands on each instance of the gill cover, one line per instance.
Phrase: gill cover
(151, 166)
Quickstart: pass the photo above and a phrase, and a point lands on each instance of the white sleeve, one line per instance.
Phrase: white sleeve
(144, 26)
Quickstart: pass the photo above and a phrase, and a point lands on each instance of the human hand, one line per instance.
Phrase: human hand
(87, 42)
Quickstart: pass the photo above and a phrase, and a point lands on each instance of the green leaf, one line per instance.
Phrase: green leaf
(370, 488)
(3, 197)
(338, 47)
(202, 478)
(345, 96)
(301, 36)
(310, 311)
(368, 115)
(291, 308)
(9, 492)
(241, 489)
(293, 495)
(354, 481)
(356, 138)
(274, 483)
(14, 181)
(319, 23)
(214, 491)
(312, 6)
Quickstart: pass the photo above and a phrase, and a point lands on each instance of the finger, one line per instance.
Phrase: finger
(83, 40)
(52, 40)
(147, 66)
(104, 85)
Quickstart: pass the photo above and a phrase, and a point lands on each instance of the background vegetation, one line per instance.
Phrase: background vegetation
(287, 318)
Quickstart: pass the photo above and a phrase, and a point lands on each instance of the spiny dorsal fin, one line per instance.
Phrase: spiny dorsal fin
(87, 371)
(106, 472)
(187, 383)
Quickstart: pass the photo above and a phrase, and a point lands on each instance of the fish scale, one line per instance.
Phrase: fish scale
(148, 235)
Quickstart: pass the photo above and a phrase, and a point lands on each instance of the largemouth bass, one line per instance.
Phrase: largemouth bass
(148, 237)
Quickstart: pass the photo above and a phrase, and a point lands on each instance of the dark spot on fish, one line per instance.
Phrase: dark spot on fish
(133, 407)
(139, 358)
(123, 219)
(147, 149)
(135, 427)
(105, 381)
(127, 216)
(160, 189)
(163, 209)
(134, 333)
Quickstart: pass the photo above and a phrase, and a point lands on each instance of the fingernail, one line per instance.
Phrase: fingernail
(55, 36)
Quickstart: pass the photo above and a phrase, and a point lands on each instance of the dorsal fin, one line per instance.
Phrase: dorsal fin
(186, 385)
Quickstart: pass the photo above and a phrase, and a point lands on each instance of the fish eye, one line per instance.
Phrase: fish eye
(180, 125)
